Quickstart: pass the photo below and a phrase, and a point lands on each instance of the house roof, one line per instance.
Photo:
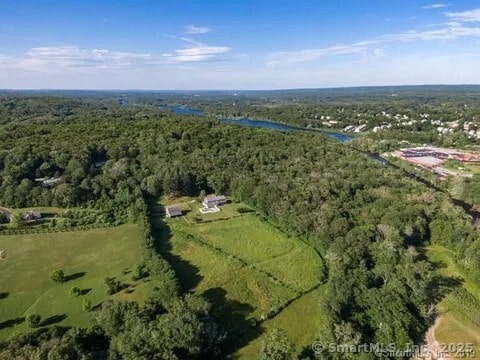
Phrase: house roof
(215, 198)
(33, 212)
(174, 210)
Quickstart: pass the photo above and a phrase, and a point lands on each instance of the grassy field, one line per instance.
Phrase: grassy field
(460, 309)
(227, 282)
(246, 268)
(259, 244)
(86, 257)
(302, 320)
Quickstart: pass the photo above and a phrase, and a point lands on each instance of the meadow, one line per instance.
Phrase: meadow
(268, 249)
(301, 321)
(256, 277)
(86, 257)
(459, 310)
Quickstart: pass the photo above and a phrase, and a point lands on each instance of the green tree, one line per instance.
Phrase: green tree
(86, 305)
(33, 320)
(139, 272)
(17, 221)
(75, 292)
(58, 276)
(277, 347)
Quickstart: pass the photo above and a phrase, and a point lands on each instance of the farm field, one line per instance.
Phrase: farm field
(86, 257)
(459, 319)
(246, 268)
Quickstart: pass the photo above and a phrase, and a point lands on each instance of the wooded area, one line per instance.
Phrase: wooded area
(368, 222)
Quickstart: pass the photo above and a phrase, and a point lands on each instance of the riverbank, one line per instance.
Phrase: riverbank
(263, 123)
(342, 137)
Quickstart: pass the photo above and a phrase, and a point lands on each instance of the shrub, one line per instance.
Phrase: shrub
(75, 292)
(87, 305)
(139, 272)
(33, 320)
(58, 276)
(113, 286)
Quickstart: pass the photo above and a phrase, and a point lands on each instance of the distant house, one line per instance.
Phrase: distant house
(31, 216)
(214, 200)
(173, 211)
(48, 182)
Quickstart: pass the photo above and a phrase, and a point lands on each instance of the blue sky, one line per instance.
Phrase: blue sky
(233, 44)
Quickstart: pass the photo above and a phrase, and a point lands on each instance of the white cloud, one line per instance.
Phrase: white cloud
(378, 52)
(362, 71)
(448, 33)
(197, 54)
(314, 54)
(435, 6)
(74, 59)
(184, 39)
(192, 29)
(465, 16)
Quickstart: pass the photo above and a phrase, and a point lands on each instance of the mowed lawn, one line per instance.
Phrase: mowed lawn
(86, 256)
(457, 320)
(258, 243)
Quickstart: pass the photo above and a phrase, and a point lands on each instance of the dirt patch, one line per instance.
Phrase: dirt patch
(432, 350)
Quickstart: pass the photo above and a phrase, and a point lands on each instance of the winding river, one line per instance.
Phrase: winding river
(182, 110)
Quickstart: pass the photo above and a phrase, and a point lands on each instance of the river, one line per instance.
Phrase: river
(182, 110)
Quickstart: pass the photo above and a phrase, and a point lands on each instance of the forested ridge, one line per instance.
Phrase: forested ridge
(368, 222)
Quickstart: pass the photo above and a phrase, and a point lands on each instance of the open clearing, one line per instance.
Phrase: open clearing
(302, 320)
(460, 310)
(87, 257)
(257, 243)
(246, 268)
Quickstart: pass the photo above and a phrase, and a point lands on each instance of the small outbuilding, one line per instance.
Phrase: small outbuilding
(173, 211)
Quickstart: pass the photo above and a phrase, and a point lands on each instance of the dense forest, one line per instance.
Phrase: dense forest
(368, 222)
(390, 108)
